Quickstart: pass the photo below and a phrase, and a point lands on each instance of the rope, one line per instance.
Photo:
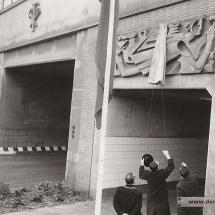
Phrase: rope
(164, 118)
(149, 115)
(150, 112)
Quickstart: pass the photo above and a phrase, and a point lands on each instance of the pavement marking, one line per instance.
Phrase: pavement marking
(20, 149)
(63, 148)
(7, 153)
(55, 148)
(30, 149)
(47, 148)
(15, 150)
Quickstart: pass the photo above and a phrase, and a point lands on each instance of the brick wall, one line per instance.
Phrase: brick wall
(33, 137)
(181, 11)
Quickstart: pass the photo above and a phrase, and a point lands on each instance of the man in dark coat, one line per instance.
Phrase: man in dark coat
(157, 195)
(128, 199)
(187, 187)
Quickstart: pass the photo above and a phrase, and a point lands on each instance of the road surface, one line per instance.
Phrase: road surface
(28, 169)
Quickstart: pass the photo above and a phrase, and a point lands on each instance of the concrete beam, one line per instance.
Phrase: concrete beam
(195, 81)
(50, 51)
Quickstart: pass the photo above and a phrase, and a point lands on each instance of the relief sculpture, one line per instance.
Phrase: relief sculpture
(190, 49)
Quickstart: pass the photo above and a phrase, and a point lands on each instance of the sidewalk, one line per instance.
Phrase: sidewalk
(88, 208)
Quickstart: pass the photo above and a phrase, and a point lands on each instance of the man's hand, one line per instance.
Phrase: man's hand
(142, 162)
(183, 164)
(166, 154)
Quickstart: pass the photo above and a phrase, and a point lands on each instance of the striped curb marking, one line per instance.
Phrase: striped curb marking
(14, 150)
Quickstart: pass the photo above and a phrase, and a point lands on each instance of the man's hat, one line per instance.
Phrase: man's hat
(153, 166)
(147, 159)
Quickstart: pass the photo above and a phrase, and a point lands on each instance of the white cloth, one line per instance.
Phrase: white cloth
(158, 63)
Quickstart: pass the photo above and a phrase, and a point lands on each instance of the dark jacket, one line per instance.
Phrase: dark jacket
(128, 199)
(187, 187)
(157, 195)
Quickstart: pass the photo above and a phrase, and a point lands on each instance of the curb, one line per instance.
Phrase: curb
(15, 150)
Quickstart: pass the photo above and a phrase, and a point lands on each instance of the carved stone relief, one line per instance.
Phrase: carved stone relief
(190, 49)
(33, 14)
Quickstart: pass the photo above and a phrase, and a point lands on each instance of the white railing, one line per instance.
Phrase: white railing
(5, 3)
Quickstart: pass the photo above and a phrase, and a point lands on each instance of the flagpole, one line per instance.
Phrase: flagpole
(105, 110)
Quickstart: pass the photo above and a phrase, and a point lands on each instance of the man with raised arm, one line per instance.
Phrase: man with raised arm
(187, 187)
(157, 195)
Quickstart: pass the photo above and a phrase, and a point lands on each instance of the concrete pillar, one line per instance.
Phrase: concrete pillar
(1, 79)
(210, 170)
(76, 111)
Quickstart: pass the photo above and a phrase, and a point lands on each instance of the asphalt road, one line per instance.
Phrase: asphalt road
(28, 169)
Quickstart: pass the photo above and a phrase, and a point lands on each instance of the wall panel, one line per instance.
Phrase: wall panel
(123, 155)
